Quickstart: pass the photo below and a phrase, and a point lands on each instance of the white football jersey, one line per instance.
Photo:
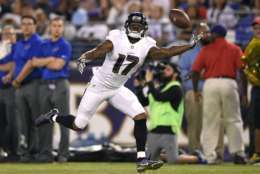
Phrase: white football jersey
(123, 60)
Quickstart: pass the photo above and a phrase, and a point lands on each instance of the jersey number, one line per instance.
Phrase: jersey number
(133, 59)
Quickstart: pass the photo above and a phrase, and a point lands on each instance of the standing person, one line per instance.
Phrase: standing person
(125, 51)
(220, 61)
(27, 91)
(9, 130)
(193, 109)
(252, 58)
(53, 58)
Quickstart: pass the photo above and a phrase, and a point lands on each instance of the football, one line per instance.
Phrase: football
(179, 18)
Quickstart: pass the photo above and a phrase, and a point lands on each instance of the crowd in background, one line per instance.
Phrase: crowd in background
(91, 20)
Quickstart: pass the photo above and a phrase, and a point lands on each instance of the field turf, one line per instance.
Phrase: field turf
(122, 168)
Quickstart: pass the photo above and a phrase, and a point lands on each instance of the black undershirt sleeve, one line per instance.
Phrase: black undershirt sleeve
(140, 95)
(173, 95)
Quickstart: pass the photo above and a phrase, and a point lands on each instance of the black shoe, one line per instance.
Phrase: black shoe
(146, 164)
(46, 118)
(200, 156)
(238, 159)
(255, 159)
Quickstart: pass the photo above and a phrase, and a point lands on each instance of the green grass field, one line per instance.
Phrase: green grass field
(122, 168)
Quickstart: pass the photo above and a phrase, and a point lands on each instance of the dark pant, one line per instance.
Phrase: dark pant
(8, 121)
(54, 94)
(27, 110)
(255, 105)
(254, 117)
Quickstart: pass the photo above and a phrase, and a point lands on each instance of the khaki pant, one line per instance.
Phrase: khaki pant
(193, 113)
(220, 98)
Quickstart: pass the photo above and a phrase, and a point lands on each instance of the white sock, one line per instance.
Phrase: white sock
(141, 154)
(54, 118)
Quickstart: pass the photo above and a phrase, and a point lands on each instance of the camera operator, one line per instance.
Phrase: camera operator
(166, 109)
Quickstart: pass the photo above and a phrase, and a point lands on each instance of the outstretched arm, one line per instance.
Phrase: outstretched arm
(160, 53)
(98, 52)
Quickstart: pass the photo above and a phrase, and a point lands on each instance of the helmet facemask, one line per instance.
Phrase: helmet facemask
(135, 30)
(136, 26)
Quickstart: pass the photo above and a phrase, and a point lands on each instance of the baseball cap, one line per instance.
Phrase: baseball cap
(219, 29)
(256, 21)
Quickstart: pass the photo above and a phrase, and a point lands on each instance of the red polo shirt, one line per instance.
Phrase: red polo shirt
(219, 59)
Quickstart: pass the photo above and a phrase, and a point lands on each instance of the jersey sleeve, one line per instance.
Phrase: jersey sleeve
(150, 42)
(113, 35)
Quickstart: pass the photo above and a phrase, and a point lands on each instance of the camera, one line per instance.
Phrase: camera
(156, 68)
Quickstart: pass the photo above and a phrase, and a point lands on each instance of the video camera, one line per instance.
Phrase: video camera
(156, 67)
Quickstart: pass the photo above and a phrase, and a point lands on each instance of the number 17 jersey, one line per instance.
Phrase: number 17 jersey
(123, 60)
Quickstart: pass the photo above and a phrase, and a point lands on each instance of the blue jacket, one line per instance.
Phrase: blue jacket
(185, 64)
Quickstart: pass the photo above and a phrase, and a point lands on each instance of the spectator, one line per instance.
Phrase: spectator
(220, 61)
(195, 9)
(252, 57)
(4, 7)
(146, 7)
(80, 16)
(193, 109)
(26, 95)
(42, 22)
(165, 114)
(66, 8)
(116, 16)
(243, 30)
(221, 13)
(54, 88)
(8, 124)
(95, 31)
(160, 27)
(44, 5)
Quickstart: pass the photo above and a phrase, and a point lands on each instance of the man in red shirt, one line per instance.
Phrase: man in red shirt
(219, 62)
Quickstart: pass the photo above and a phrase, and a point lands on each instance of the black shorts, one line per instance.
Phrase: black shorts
(255, 105)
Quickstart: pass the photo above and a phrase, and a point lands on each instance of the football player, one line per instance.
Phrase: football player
(125, 52)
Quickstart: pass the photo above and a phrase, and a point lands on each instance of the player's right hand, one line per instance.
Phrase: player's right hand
(81, 64)
(82, 61)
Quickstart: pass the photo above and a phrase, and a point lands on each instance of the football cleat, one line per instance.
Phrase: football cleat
(146, 164)
(255, 159)
(46, 118)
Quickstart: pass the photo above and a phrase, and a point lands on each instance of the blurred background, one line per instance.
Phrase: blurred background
(87, 22)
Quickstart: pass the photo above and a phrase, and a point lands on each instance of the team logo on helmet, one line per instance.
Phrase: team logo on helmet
(136, 25)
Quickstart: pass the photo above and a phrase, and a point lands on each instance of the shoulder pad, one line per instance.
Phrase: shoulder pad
(114, 32)
(150, 40)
